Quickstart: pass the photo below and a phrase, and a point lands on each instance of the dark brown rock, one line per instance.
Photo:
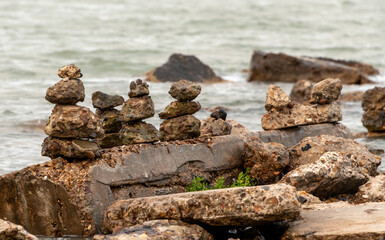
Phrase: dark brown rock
(110, 140)
(105, 101)
(177, 108)
(374, 120)
(219, 114)
(215, 127)
(66, 92)
(184, 90)
(139, 132)
(301, 91)
(138, 89)
(70, 71)
(110, 118)
(10, 231)
(326, 91)
(276, 98)
(355, 96)
(180, 128)
(181, 66)
(137, 109)
(364, 68)
(70, 149)
(374, 99)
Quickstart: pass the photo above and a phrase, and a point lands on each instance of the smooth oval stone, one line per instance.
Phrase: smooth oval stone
(184, 90)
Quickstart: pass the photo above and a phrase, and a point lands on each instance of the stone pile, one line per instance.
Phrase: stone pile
(70, 127)
(139, 106)
(179, 123)
(105, 109)
(373, 103)
(216, 124)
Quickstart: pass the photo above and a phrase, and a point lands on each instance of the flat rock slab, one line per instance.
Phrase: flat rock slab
(245, 206)
(342, 222)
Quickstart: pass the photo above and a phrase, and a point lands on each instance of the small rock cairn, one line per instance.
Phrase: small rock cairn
(70, 128)
(216, 124)
(135, 109)
(373, 103)
(180, 124)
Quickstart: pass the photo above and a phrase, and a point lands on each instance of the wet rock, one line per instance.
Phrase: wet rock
(326, 91)
(276, 98)
(160, 230)
(180, 128)
(301, 91)
(137, 109)
(374, 99)
(307, 199)
(70, 149)
(181, 66)
(355, 96)
(372, 191)
(70, 71)
(138, 89)
(184, 90)
(110, 120)
(10, 231)
(67, 121)
(177, 108)
(374, 120)
(105, 101)
(280, 67)
(110, 140)
(246, 206)
(331, 175)
(301, 115)
(265, 160)
(310, 150)
(219, 113)
(66, 92)
(139, 132)
(215, 127)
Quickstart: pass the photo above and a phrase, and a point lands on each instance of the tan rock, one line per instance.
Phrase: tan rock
(66, 92)
(139, 132)
(177, 109)
(326, 91)
(354, 96)
(70, 71)
(106, 101)
(110, 120)
(374, 99)
(70, 149)
(138, 89)
(180, 128)
(184, 90)
(301, 91)
(137, 109)
(372, 191)
(10, 231)
(215, 127)
(276, 98)
(238, 129)
(307, 199)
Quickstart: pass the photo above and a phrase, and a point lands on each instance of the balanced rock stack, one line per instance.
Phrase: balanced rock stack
(284, 113)
(180, 124)
(135, 109)
(216, 124)
(373, 103)
(105, 109)
(70, 127)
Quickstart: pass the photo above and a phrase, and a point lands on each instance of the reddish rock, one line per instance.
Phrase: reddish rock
(110, 120)
(66, 92)
(70, 71)
(326, 91)
(105, 101)
(276, 98)
(180, 128)
(301, 91)
(70, 149)
(138, 88)
(139, 132)
(215, 127)
(184, 90)
(177, 109)
(137, 109)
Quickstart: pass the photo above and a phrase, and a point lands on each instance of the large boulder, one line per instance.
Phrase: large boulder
(184, 90)
(326, 91)
(246, 206)
(180, 128)
(137, 108)
(177, 109)
(106, 101)
(372, 191)
(301, 91)
(66, 92)
(363, 67)
(139, 132)
(181, 66)
(70, 148)
(271, 67)
(10, 231)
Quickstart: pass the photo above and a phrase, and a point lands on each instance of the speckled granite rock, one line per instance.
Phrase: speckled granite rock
(110, 120)
(66, 92)
(106, 101)
(276, 98)
(326, 91)
(372, 191)
(184, 90)
(139, 132)
(180, 128)
(137, 109)
(70, 71)
(177, 109)
(70, 148)
(138, 88)
(215, 127)
(301, 91)
(10, 231)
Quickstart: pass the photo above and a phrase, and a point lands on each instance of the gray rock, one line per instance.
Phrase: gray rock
(180, 128)
(184, 90)
(70, 72)
(105, 101)
(276, 98)
(70, 149)
(66, 92)
(135, 109)
(139, 132)
(326, 91)
(10, 231)
(138, 89)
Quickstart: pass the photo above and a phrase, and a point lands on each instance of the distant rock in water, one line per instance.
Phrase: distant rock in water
(272, 67)
(355, 96)
(373, 103)
(181, 66)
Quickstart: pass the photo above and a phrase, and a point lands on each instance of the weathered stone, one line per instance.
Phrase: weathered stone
(219, 113)
(110, 140)
(66, 92)
(238, 129)
(181, 66)
(310, 150)
(246, 206)
(374, 120)
(276, 98)
(372, 191)
(301, 91)
(215, 127)
(105, 101)
(326, 91)
(10, 231)
(374, 99)
(70, 149)
(67, 121)
(364, 68)
(177, 108)
(354, 96)
(110, 120)
(138, 89)
(139, 132)
(160, 230)
(184, 90)
(307, 199)
(180, 128)
(137, 109)
(331, 175)
(339, 221)
(265, 160)
(301, 115)
(70, 71)
(280, 67)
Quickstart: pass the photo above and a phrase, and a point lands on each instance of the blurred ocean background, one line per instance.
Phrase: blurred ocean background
(117, 41)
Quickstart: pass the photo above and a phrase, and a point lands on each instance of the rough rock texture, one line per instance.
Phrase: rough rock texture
(365, 68)
(307, 199)
(301, 91)
(137, 109)
(219, 113)
(338, 221)
(160, 230)
(184, 90)
(374, 120)
(215, 127)
(374, 99)
(310, 150)
(66, 92)
(301, 115)
(238, 129)
(110, 120)
(331, 175)
(326, 91)
(181, 66)
(70, 71)
(180, 128)
(138, 89)
(280, 67)
(276, 98)
(139, 132)
(67, 121)
(355, 96)
(105, 101)
(71, 149)
(223, 207)
(372, 191)
(265, 160)
(110, 140)
(10, 231)
(176, 109)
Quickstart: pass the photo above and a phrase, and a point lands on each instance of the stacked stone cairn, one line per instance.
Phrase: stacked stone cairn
(373, 103)
(139, 106)
(179, 123)
(71, 128)
(105, 109)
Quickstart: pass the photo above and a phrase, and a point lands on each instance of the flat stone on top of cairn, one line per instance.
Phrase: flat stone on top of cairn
(138, 88)
(326, 91)
(70, 72)
(103, 101)
(184, 90)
